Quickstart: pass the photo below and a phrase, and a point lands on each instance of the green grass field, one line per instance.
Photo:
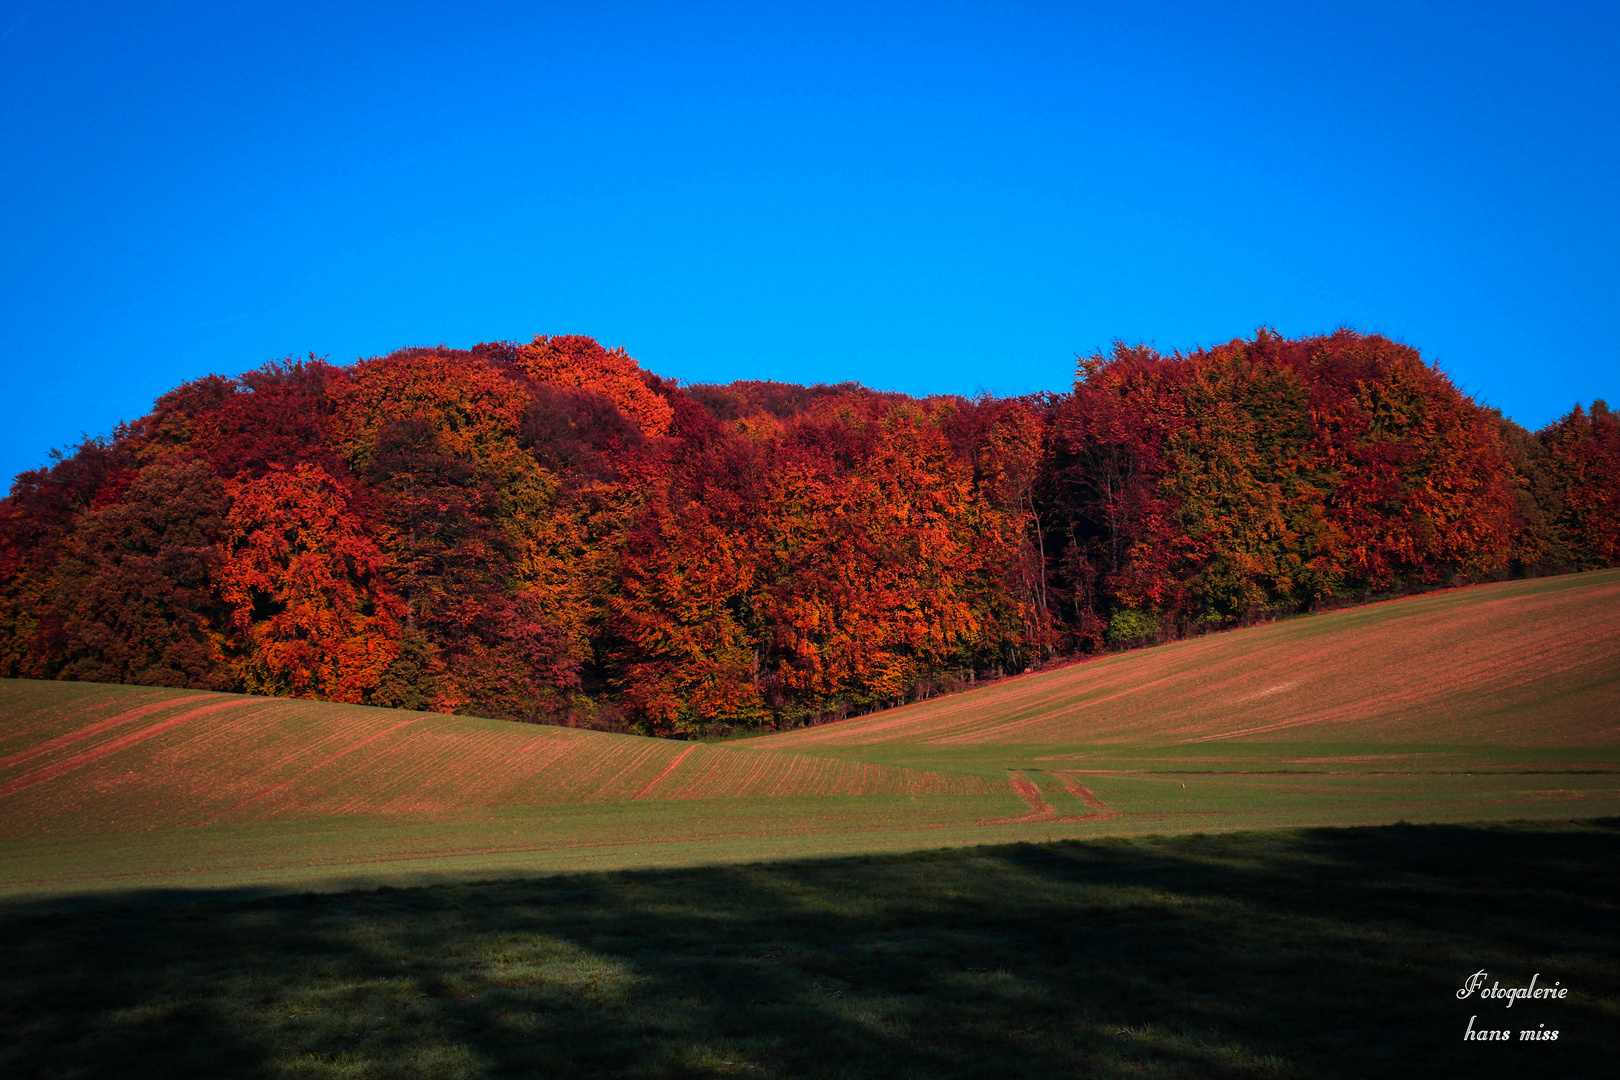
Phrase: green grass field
(1262, 853)
(1498, 702)
(1291, 953)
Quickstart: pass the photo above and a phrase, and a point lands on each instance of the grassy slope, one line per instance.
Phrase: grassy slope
(80, 758)
(1495, 702)
(1492, 702)
(1517, 664)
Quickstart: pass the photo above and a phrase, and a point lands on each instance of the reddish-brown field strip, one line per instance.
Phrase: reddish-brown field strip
(56, 769)
(1042, 811)
(671, 767)
(1038, 806)
(1081, 792)
(129, 716)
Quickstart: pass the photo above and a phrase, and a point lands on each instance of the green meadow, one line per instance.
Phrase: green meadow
(1285, 953)
(365, 852)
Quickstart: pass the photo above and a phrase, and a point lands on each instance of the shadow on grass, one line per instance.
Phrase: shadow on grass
(1304, 953)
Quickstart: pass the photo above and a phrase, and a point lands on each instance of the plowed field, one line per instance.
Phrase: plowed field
(149, 759)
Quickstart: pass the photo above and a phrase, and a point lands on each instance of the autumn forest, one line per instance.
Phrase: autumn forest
(548, 532)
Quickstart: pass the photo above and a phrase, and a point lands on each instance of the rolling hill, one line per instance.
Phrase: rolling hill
(1487, 702)
(1529, 663)
(78, 757)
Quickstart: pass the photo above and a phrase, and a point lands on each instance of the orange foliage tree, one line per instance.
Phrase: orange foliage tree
(839, 560)
(576, 360)
(885, 560)
(310, 614)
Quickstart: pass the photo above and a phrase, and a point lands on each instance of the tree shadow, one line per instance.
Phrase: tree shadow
(1303, 953)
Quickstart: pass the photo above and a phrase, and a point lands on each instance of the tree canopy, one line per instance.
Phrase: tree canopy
(546, 531)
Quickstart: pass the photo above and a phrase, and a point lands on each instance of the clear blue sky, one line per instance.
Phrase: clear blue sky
(932, 197)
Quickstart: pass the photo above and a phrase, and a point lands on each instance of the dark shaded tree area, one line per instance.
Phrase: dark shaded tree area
(1270, 476)
(544, 531)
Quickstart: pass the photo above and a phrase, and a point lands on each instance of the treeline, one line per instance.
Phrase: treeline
(548, 532)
